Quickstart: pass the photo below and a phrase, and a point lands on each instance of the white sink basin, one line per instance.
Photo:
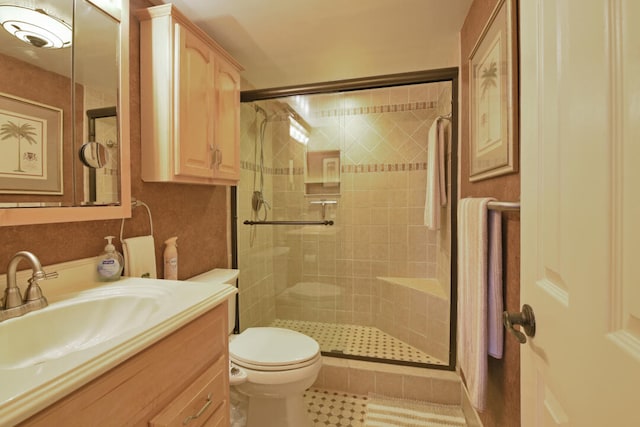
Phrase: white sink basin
(48, 353)
(74, 325)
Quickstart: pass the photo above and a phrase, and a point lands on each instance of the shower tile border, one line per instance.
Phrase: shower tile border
(377, 109)
(347, 169)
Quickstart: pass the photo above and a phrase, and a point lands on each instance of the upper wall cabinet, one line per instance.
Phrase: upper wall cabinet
(190, 90)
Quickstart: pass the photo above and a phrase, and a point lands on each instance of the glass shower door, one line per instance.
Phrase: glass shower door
(375, 284)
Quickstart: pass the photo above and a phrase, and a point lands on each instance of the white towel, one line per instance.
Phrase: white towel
(473, 290)
(443, 137)
(436, 194)
(139, 257)
(494, 285)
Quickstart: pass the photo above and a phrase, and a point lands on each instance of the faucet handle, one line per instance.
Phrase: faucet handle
(33, 292)
(42, 275)
(52, 275)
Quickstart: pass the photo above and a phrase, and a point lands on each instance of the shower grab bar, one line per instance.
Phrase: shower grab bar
(329, 222)
(503, 206)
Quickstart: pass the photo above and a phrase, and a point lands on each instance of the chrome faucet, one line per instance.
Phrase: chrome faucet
(14, 305)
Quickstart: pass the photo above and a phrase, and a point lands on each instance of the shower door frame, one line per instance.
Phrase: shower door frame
(376, 82)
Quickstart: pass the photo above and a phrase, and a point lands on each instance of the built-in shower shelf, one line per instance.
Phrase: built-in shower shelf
(316, 181)
(322, 173)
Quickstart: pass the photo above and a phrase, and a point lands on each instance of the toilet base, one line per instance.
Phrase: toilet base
(278, 412)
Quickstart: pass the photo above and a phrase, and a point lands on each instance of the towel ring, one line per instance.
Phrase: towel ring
(134, 204)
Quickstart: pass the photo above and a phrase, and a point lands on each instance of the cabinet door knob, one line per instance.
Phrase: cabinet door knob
(218, 158)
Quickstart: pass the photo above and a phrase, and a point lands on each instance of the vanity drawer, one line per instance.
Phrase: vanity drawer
(204, 401)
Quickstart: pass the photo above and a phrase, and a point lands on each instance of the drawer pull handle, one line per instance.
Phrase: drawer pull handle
(200, 412)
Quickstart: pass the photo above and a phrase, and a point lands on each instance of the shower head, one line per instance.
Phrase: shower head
(259, 109)
(272, 110)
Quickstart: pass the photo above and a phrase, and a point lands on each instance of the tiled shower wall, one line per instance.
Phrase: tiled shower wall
(378, 231)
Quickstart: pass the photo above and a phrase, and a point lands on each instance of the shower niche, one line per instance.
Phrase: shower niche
(322, 173)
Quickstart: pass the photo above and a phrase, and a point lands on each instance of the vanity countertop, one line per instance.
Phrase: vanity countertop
(115, 321)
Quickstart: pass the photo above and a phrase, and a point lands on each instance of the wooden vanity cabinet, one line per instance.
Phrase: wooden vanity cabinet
(161, 386)
(190, 102)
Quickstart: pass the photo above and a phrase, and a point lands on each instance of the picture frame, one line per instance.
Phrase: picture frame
(30, 147)
(493, 105)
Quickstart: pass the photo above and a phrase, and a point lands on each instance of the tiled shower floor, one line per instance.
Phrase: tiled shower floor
(357, 340)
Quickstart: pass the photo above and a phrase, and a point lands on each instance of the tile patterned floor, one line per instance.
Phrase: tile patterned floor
(335, 408)
(340, 409)
(358, 340)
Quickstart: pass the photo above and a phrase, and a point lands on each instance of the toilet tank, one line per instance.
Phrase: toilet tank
(221, 275)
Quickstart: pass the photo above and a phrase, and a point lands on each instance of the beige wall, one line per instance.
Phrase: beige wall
(503, 404)
(196, 214)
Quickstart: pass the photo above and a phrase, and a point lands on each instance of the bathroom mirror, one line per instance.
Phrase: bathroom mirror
(89, 73)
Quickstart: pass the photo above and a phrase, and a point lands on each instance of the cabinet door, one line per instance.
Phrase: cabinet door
(195, 74)
(227, 154)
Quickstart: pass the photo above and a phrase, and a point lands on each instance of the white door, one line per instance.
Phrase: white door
(580, 162)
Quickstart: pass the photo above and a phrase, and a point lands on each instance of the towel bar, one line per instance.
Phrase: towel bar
(504, 206)
(247, 222)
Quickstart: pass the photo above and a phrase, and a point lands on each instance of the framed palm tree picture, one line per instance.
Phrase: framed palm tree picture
(30, 147)
(493, 109)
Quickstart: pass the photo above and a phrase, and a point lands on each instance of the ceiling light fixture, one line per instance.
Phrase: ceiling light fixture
(35, 26)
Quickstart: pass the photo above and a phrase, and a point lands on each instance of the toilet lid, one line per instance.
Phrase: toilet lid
(272, 347)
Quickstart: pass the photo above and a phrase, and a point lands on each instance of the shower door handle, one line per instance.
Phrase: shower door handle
(524, 318)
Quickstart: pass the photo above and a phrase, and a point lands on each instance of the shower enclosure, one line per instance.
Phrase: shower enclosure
(330, 216)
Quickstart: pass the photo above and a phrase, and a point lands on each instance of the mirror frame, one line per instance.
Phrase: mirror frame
(44, 215)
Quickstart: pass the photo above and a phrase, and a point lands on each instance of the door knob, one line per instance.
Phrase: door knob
(525, 318)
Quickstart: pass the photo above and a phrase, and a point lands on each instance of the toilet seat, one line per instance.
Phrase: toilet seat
(273, 349)
(280, 368)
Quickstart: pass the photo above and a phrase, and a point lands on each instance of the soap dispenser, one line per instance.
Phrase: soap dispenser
(110, 262)
(171, 259)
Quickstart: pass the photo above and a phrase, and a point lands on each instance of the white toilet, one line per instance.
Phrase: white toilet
(271, 366)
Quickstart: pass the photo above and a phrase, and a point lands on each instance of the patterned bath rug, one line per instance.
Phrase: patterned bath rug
(389, 412)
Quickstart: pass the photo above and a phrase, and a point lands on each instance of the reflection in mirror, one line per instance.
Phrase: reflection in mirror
(96, 75)
(100, 158)
(49, 78)
(35, 95)
(94, 155)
